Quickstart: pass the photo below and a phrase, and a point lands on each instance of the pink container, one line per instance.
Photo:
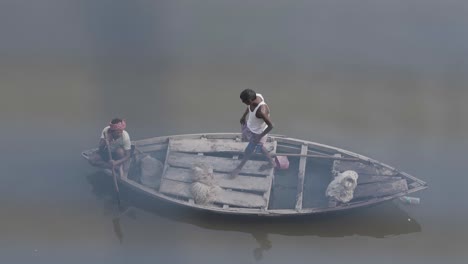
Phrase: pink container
(282, 162)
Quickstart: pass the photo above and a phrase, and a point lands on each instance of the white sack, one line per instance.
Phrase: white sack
(342, 187)
(203, 188)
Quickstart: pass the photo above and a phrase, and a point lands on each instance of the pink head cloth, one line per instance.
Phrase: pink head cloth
(119, 126)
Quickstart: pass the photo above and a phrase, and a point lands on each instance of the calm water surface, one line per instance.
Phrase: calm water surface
(386, 79)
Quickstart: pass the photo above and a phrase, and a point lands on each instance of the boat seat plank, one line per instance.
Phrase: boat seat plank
(364, 178)
(361, 168)
(232, 198)
(153, 147)
(313, 147)
(211, 145)
(380, 189)
(227, 165)
(301, 175)
(241, 182)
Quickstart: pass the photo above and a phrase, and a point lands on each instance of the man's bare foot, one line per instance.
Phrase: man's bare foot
(234, 174)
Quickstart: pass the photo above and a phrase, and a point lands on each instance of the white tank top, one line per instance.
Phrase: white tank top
(255, 124)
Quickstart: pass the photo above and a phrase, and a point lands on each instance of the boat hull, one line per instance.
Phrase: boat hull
(297, 191)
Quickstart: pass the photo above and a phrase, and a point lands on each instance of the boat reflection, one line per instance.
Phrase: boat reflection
(380, 221)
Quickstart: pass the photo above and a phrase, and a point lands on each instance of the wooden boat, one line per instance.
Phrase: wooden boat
(298, 190)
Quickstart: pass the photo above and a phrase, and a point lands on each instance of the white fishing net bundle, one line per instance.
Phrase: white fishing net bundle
(151, 171)
(203, 188)
(342, 187)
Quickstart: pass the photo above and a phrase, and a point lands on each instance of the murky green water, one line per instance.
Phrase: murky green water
(386, 79)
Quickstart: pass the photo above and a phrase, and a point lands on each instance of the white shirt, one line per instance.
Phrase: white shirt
(123, 141)
(255, 124)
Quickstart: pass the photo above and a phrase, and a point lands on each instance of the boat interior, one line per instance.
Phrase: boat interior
(302, 186)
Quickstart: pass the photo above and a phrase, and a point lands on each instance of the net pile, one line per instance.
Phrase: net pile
(204, 188)
(342, 187)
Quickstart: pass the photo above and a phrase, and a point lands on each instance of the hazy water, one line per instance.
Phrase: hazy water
(386, 79)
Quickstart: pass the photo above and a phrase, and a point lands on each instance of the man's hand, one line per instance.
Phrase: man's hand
(112, 163)
(242, 120)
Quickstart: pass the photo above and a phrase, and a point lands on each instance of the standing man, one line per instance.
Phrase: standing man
(256, 124)
(119, 143)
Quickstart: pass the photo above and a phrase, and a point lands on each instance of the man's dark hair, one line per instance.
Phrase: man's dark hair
(116, 121)
(248, 94)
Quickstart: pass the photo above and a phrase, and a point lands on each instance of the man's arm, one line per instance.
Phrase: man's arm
(127, 146)
(264, 113)
(102, 144)
(242, 120)
(102, 140)
(127, 149)
(122, 160)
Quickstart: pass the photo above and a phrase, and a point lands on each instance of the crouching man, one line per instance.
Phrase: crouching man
(119, 143)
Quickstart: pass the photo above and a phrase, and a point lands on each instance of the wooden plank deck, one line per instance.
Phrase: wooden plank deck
(211, 145)
(182, 154)
(232, 198)
(362, 168)
(364, 179)
(270, 179)
(242, 182)
(225, 165)
(379, 189)
(301, 175)
(151, 148)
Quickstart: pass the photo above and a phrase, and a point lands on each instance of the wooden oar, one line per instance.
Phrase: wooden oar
(117, 227)
(316, 156)
(116, 185)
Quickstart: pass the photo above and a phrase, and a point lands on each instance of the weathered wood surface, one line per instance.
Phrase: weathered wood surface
(316, 156)
(362, 168)
(241, 182)
(151, 141)
(319, 148)
(379, 189)
(364, 178)
(151, 148)
(288, 145)
(301, 175)
(270, 179)
(227, 165)
(211, 145)
(164, 139)
(295, 149)
(232, 198)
